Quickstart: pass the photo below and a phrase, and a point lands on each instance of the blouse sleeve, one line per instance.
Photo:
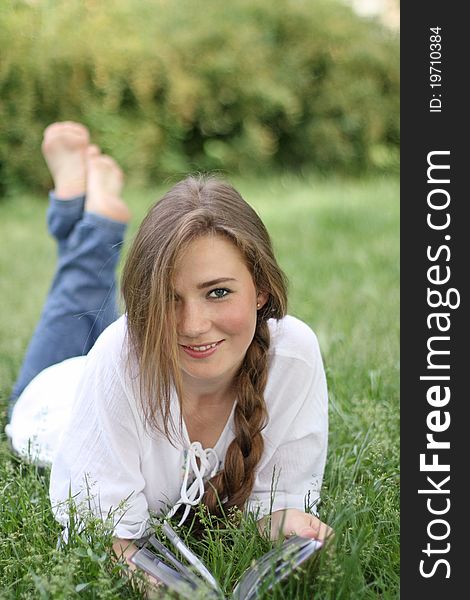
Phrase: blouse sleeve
(98, 460)
(290, 473)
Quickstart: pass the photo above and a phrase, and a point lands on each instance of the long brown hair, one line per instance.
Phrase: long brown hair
(194, 207)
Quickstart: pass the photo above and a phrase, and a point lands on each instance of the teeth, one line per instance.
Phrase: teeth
(202, 348)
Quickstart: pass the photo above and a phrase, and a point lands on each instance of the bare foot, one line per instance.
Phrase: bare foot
(64, 149)
(104, 185)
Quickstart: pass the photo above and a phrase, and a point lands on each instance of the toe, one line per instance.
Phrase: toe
(66, 127)
(93, 150)
(109, 163)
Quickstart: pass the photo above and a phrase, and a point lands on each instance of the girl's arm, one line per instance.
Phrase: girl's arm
(289, 477)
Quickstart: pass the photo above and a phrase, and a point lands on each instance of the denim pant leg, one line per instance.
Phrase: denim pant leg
(81, 302)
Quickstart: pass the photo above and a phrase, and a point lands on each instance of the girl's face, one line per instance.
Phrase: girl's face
(216, 305)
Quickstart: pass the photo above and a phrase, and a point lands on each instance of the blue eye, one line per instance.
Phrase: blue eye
(219, 293)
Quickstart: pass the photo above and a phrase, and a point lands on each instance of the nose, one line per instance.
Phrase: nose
(192, 320)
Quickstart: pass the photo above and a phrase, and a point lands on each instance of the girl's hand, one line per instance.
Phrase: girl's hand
(125, 549)
(292, 521)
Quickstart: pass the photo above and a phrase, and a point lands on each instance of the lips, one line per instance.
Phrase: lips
(202, 350)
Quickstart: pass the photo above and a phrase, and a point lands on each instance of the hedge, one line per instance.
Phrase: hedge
(168, 87)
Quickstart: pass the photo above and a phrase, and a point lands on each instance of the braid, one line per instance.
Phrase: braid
(233, 485)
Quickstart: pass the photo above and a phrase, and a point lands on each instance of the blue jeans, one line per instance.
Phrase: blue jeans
(81, 302)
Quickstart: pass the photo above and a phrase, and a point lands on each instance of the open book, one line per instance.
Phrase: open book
(157, 560)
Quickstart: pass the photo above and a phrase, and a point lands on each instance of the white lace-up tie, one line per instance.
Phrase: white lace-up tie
(207, 468)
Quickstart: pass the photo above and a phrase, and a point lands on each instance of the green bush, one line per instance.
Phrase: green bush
(169, 87)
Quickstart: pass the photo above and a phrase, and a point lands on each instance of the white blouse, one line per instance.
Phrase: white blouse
(84, 415)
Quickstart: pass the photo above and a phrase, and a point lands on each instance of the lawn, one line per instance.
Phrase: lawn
(338, 242)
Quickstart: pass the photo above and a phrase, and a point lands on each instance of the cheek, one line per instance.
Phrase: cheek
(239, 320)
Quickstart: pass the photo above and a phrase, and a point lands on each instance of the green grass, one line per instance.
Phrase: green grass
(338, 243)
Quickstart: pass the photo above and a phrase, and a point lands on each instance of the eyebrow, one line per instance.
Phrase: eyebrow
(206, 284)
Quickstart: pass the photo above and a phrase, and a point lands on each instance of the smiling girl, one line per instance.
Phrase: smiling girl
(201, 392)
